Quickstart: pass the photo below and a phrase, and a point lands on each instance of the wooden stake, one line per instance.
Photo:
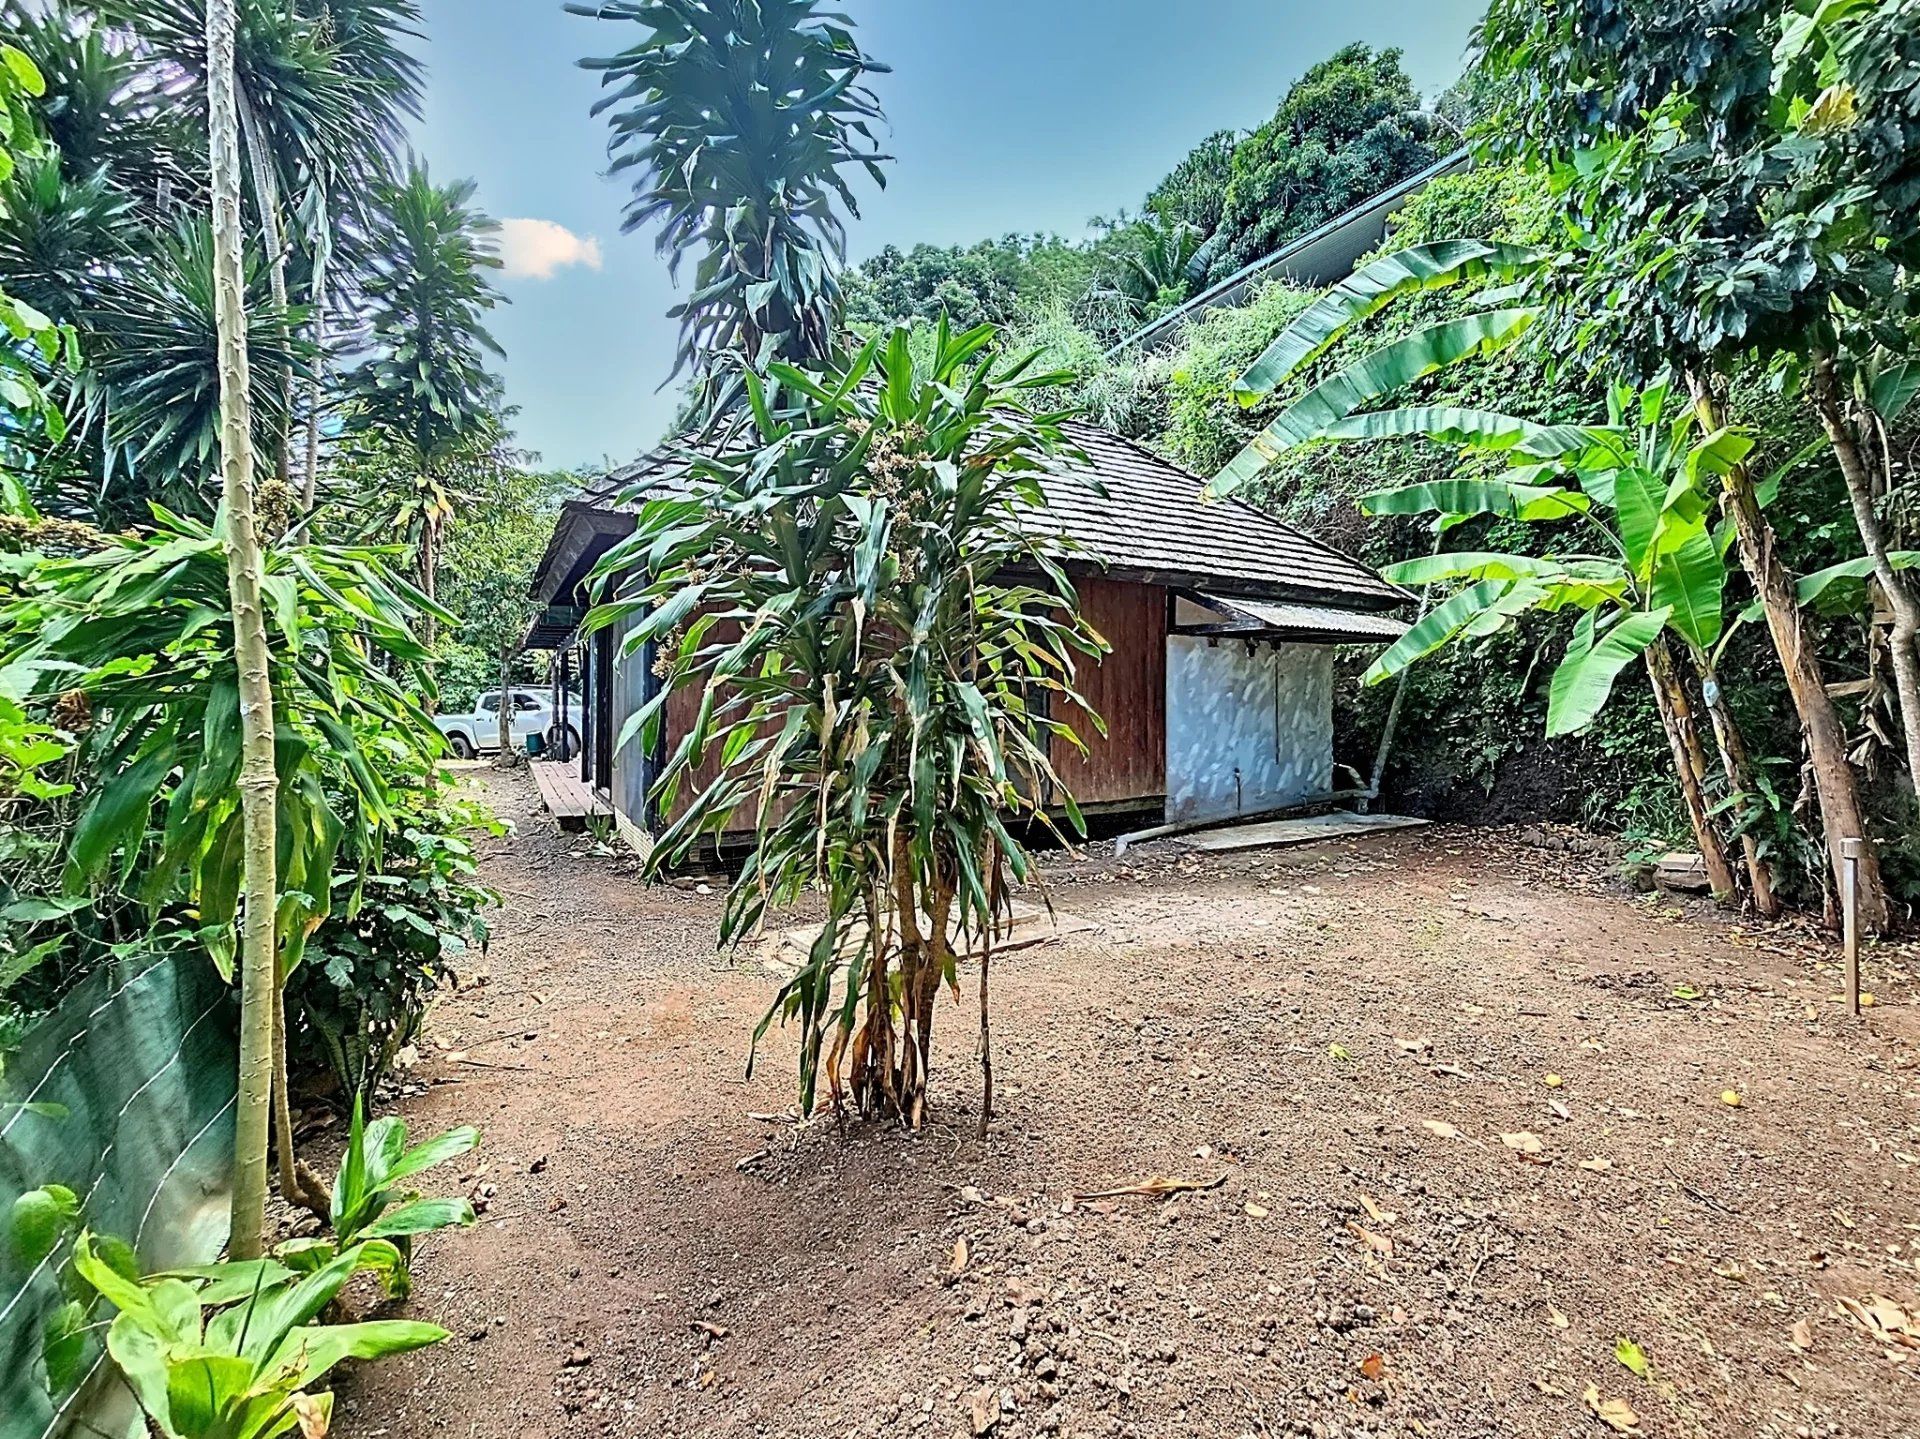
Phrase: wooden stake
(1850, 907)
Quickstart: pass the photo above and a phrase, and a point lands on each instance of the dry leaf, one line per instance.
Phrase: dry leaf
(1554, 1081)
(1256, 1211)
(315, 1413)
(1413, 1046)
(1525, 1141)
(1441, 1128)
(1375, 1212)
(1560, 1321)
(1730, 1098)
(959, 1255)
(1597, 1164)
(1883, 1318)
(1374, 1366)
(1378, 1243)
(710, 1329)
(1560, 1111)
(1802, 1337)
(1616, 1414)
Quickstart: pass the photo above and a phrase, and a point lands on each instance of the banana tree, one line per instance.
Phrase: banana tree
(1512, 278)
(1654, 579)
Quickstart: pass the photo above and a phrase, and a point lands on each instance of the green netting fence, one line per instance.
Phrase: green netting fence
(125, 1094)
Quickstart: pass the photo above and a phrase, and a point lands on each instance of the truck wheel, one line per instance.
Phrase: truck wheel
(563, 742)
(461, 746)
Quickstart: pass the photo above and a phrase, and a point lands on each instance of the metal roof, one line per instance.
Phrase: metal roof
(1323, 256)
(1290, 621)
(1148, 520)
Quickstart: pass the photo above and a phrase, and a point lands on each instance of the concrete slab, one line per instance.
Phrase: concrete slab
(1280, 833)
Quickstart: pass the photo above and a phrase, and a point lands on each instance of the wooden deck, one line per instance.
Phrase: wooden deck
(566, 796)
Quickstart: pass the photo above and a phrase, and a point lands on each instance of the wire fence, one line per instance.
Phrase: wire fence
(125, 1095)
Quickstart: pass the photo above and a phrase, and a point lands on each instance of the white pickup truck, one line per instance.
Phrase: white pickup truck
(532, 714)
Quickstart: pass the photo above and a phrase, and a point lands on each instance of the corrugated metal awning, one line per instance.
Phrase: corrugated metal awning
(1298, 622)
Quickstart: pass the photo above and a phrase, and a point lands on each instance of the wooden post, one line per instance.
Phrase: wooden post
(1850, 908)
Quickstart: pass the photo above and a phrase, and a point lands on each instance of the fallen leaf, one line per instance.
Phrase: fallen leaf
(1413, 1046)
(1616, 1414)
(1802, 1337)
(1867, 1001)
(710, 1329)
(1560, 1111)
(1730, 1098)
(1554, 1081)
(1883, 1318)
(1374, 1366)
(959, 1255)
(1375, 1212)
(1378, 1243)
(315, 1414)
(1687, 992)
(1256, 1211)
(1339, 1052)
(1597, 1164)
(1633, 1356)
(1525, 1141)
(1559, 1320)
(1593, 1045)
(1441, 1128)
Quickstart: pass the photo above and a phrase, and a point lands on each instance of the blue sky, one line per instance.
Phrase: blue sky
(1006, 115)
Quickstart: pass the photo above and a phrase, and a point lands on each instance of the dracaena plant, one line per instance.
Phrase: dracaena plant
(372, 1201)
(857, 587)
(736, 119)
(233, 1351)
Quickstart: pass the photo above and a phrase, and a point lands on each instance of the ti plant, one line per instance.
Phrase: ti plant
(880, 643)
(370, 1204)
(233, 1351)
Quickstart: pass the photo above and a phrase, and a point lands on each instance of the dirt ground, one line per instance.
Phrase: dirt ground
(1361, 1046)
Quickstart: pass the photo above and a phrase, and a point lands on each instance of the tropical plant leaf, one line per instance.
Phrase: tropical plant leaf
(1584, 680)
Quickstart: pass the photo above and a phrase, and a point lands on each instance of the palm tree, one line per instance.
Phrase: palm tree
(426, 390)
(245, 571)
(736, 118)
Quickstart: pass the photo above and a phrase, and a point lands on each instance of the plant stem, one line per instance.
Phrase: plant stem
(1834, 786)
(1904, 642)
(1739, 769)
(245, 572)
(1689, 763)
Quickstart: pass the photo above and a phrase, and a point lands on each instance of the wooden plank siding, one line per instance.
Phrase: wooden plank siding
(1127, 689)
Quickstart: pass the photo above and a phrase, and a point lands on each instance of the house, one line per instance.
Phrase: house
(1223, 622)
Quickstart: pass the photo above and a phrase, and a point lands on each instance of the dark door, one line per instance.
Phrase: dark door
(602, 745)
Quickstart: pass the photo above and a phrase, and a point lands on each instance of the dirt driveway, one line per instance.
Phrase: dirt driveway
(1465, 1101)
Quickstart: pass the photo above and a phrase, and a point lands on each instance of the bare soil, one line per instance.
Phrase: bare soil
(1358, 1046)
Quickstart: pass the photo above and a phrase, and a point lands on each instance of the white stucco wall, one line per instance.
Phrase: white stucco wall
(1246, 731)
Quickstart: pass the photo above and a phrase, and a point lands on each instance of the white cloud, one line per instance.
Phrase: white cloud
(537, 248)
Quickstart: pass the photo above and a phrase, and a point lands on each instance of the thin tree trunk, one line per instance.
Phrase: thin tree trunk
(1739, 770)
(1689, 764)
(1834, 785)
(298, 1184)
(1905, 639)
(316, 386)
(429, 562)
(266, 194)
(506, 701)
(258, 782)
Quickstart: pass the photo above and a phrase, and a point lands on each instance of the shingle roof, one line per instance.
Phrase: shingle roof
(1153, 523)
(1155, 519)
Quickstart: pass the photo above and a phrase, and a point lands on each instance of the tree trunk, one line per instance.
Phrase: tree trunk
(1689, 763)
(1838, 794)
(1905, 643)
(429, 565)
(316, 386)
(298, 1184)
(1739, 770)
(245, 572)
(266, 194)
(506, 703)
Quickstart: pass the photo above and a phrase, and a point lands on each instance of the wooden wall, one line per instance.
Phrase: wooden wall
(1128, 689)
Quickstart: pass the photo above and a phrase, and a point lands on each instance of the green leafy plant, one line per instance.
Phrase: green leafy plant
(370, 1201)
(233, 1352)
(883, 644)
